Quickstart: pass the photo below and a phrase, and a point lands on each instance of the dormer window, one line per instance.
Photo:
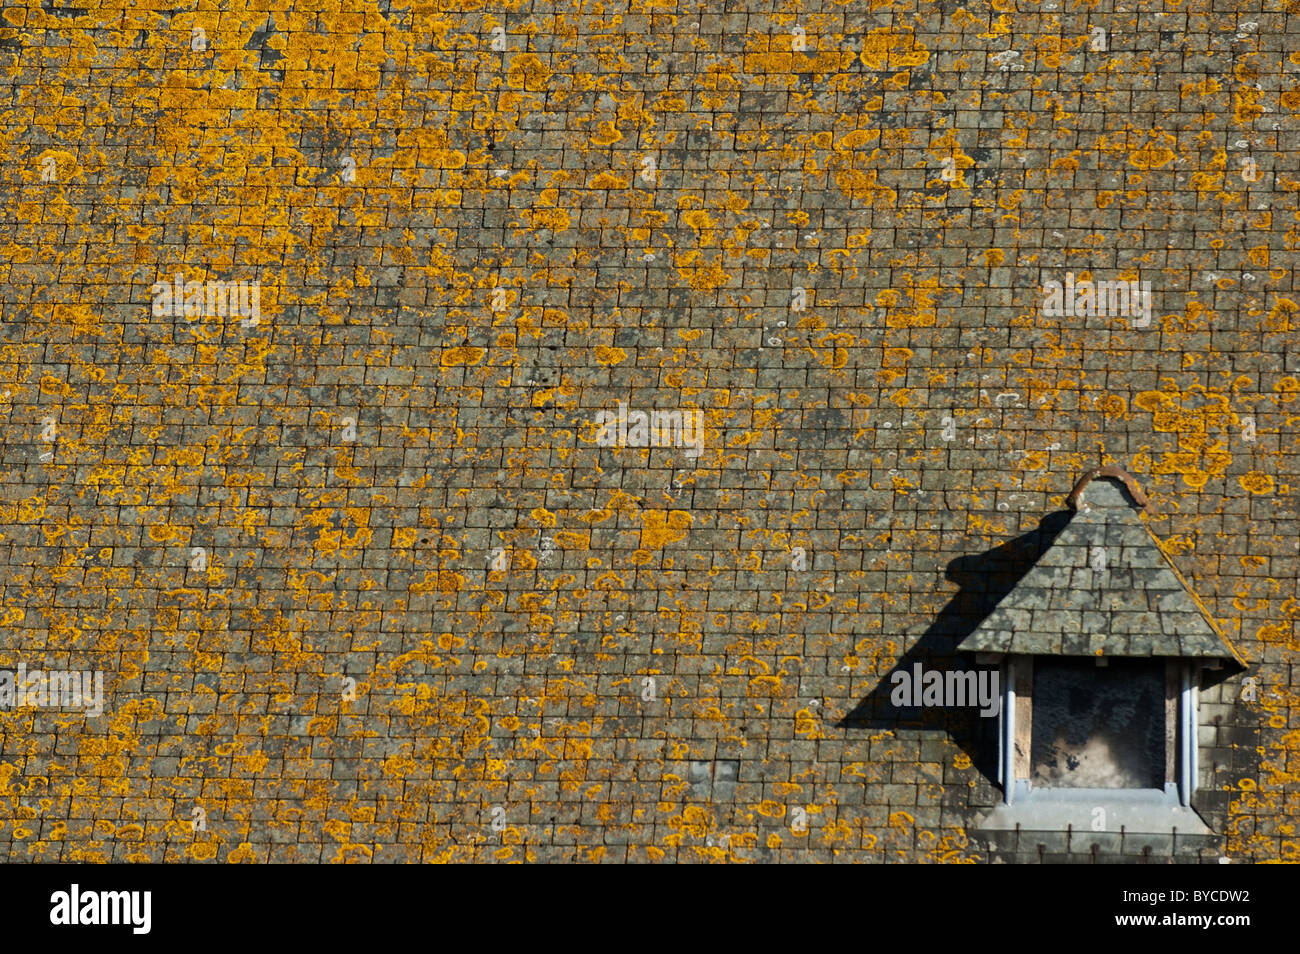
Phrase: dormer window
(1101, 646)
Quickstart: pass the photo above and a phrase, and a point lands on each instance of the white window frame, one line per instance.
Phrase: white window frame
(1186, 717)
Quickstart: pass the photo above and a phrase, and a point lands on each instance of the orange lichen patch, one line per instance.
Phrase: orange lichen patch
(1246, 105)
(1210, 179)
(607, 180)
(453, 357)
(1200, 456)
(913, 306)
(699, 273)
(606, 134)
(659, 527)
(947, 149)
(837, 348)
(1068, 163)
(885, 48)
(1283, 316)
(860, 184)
(1151, 156)
(557, 220)
(700, 221)
(1257, 483)
(1205, 87)
(1033, 460)
(807, 725)
(1112, 405)
(857, 139)
(243, 854)
(528, 72)
(1280, 634)
(1049, 50)
(440, 581)
(694, 821)
(203, 850)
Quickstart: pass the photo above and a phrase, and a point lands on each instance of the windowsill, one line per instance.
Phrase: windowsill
(1148, 811)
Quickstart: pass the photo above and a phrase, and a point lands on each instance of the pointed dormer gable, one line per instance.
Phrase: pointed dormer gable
(1103, 588)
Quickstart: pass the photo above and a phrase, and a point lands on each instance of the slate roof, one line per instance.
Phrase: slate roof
(1068, 605)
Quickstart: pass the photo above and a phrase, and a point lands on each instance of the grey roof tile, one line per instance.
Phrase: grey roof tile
(1074, 644)
(1094, 621)
(1167, 646)
(1142, 557)
(1176, 623)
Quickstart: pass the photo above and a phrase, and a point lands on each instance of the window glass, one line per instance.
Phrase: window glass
(1098, 726)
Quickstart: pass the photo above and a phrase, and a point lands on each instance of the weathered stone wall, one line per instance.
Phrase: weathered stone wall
(428, 605)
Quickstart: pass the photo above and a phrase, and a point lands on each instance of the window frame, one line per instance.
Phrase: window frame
(1015, 730)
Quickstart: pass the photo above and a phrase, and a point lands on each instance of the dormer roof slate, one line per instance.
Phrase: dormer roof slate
(1103, 588)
